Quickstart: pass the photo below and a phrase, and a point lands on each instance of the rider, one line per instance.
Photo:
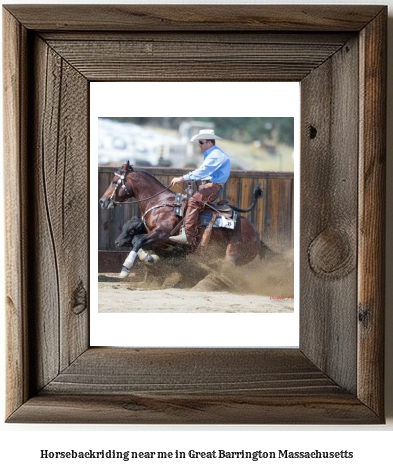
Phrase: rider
(214, 172)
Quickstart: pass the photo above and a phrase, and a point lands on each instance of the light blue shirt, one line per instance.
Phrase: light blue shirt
(216, 167)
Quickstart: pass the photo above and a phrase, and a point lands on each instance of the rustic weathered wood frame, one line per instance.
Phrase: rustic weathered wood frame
(338, 54)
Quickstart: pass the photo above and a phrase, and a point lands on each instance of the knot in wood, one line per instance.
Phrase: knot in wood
(80, 299)
(313, 132)
(331, 254)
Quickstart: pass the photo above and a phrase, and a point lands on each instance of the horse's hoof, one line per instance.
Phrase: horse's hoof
(124, 272)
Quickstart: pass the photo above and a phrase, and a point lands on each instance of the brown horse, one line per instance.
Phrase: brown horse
(240, 245)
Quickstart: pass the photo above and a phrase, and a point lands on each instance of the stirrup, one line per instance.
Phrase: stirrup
(181, 238)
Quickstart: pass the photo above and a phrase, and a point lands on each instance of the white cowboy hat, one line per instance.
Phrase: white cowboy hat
(205, 134)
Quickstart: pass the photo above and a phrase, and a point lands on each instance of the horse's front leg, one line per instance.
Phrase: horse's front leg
(137, 242)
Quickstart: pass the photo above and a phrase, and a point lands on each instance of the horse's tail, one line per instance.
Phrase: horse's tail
(258, 193)
(265, 250)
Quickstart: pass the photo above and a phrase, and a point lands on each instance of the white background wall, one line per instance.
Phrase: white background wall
(20, 445)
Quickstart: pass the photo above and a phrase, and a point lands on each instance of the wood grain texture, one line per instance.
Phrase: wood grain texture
(326, 40)
(193, 386)
(187, 17)
(329, 166)
(371, 231)
(175, 59)
(336, 375)
(328, 408)
(15, 225)
(59, 219)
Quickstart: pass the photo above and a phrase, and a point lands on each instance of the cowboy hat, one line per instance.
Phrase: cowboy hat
(205, 134)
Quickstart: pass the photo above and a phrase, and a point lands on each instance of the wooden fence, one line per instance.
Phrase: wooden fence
(273, 215)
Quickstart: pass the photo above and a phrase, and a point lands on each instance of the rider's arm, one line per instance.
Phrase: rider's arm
(211, 163)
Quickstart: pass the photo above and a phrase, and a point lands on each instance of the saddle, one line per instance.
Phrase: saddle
(225, 216)
(223, 207)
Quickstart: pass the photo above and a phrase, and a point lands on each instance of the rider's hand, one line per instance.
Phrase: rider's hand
(176, 180)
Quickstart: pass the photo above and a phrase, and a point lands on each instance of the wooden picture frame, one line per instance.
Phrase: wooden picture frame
(338, 54)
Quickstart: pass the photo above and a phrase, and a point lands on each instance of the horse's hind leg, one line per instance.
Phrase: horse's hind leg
(241, 253)
(227, 276)
(235, 253)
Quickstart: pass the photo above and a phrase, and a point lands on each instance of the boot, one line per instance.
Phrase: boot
(180, 239)
(188, 231)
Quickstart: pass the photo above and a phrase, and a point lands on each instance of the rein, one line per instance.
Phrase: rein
(141, 200)
(121, 181)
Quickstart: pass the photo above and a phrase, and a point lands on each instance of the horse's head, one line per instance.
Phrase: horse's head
(118, 190)
(131, 228)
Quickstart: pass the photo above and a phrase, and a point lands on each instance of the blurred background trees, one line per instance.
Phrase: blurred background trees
(241, 129)
(259, 143)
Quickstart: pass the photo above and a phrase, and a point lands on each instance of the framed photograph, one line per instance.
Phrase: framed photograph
(337, 54)
(260, 143)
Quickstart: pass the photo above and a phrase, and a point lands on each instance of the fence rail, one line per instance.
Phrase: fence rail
(273, 215)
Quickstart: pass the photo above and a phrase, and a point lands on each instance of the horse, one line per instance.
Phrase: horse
(156, 202)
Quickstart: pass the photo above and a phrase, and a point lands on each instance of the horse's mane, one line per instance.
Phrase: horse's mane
(139, 170)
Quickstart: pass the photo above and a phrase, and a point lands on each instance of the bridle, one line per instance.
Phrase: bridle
(120, 181)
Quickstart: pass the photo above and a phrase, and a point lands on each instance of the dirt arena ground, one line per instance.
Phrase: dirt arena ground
(263, 286)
